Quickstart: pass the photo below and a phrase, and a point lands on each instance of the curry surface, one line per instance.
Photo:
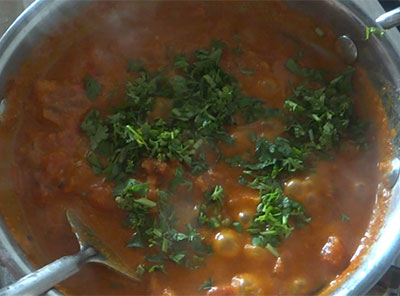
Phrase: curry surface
(50, 171)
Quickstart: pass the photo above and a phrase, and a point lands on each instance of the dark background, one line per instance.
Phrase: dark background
(389, 4)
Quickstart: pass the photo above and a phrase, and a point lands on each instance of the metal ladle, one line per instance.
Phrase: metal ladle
(347, 49)
(92, 249)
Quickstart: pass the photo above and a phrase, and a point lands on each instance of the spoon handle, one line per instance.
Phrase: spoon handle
(389, 19)
(48, 276)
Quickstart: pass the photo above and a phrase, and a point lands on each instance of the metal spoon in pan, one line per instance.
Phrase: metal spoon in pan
(92, 249)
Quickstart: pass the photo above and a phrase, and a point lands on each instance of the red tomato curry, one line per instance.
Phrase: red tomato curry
(256, 176)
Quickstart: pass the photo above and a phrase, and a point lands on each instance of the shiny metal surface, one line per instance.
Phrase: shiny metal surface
(389, 19)
(10, 9)
(40, 281)
(92, 249)
(346, 49)
(348, 17)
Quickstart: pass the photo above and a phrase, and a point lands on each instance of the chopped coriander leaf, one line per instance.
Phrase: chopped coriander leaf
(237, 226)
(92, 87)
(216, 195)
(309, 73)
(140, 270)
(158, 267)
(213, 220)
(134, 65)
(136, 242)
(95, 128)
(374, 31)
(246, 72)
(158, 231)
(344, 217)
(272, 250)
(272, 221)
(177, 257)
(207, 285)
(235, 161)
(236, 37)
(243, 71)
(276, 158)
(209, 213)
(131, 186)
(319, 118)
(94, 162)
(204, 98)
(156, 258)
(112, 93)
(237, 50)
(180, 180)
(319, 32)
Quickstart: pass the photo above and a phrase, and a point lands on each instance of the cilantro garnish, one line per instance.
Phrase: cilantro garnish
(344, 217)
(316, 121)
(272, 221)
(92, 87)
(309, 73)
(159, 231)
(237, 226)
(210, 211)
(319, 118)
(180, 180)
(204, 102)
(319, 32)
(374, 31)
(207, 285)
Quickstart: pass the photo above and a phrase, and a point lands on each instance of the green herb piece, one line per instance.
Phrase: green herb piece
(273, 159)
(159, 231)
(95, 163)
(207, 285)
(216, 195)
(95, 129)
(134, 66)
(209, 214)
(136, 242)
(112, 93)
(236, 37)
(308, 73)
(92, 87)
(237, 226)
(180, 180)
(140, 270)
(374, 31)
(320, 118)
(156, 258)
(272, 221)
(272, 250)
(131, 186)
(344, 217)
(157, 267)
(246, 72)
(204, 98)
(237, 50)
(319, 32)
(243, 71)
(177, 257)
(128, 198)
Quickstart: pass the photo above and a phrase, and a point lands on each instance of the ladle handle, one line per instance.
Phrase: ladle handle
(45, 278)
(389, 19)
